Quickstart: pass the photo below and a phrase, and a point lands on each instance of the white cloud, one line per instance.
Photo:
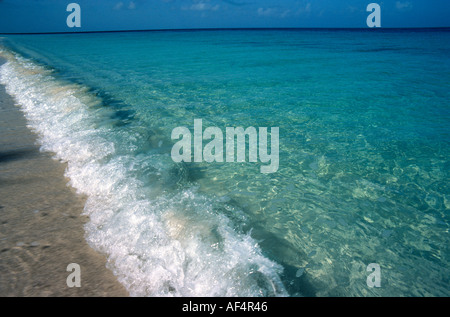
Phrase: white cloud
(353, 9)
(403, 5)
(283, 13)
(201, 6)
(305, 9)
(118, 5)
(198, 6)
(308, 7)
(266, 12)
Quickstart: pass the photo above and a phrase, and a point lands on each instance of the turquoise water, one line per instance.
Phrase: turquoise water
(364, 133)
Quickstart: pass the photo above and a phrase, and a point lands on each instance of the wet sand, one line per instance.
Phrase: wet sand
(41, 226)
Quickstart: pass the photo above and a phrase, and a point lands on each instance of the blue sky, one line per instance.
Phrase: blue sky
(102, 15)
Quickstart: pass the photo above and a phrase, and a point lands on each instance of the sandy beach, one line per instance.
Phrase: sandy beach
(41, 226)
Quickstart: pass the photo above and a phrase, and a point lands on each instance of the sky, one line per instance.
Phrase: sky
(24, 16)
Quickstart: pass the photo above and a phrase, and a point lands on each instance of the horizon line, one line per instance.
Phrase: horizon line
(231, 29)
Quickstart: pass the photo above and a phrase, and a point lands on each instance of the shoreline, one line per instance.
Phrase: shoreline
(41, 226)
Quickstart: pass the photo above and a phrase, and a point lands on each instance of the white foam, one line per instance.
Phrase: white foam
(175, 244)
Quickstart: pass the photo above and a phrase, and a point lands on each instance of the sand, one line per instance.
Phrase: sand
(41, 226)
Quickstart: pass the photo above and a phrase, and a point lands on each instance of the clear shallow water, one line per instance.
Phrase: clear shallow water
(364, 123)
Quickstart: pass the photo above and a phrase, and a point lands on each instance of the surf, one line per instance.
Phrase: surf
(158, 242)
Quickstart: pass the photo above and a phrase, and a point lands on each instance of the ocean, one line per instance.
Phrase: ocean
(363, 175)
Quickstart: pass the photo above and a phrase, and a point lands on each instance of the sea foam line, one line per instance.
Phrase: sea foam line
(170, 245)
